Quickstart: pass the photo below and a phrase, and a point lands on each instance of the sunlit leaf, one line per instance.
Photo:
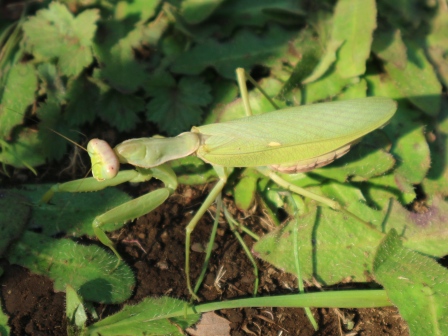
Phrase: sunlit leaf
(56, 33)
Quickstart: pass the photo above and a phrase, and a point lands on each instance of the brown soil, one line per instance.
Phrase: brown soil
(154, 247)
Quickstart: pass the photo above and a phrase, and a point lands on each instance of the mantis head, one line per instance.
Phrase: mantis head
(105, 164)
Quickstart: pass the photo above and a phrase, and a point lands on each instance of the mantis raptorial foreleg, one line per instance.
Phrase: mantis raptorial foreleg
(129, 210)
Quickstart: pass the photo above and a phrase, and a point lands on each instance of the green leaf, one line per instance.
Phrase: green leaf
(15, 212)
(88, 269)
(438, 44)
(424, 232)
(55, 33)
(328, 86)
(436, 181)
(418, 81)
(25, 152)
(119, 67)
(403, 13)
(244, 192)
(410, 149)
(75, 312)
(244, 50)
(152, 316)
(16, 94)
(416, 284)
(53, 145)
(175, 107)
(326, 238)
(4, 328)
(258, 102)
(310, 51)
(389, 46)
(144, 9)
(83, 98)
(365, 160)
(120, 110)
(326, 61)
(357, 90)
(354, 23)
(256, 12)
(192, 170)
(52, 84)
(196, 11)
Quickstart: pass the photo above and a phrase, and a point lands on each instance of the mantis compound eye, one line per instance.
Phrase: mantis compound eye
(105, 163)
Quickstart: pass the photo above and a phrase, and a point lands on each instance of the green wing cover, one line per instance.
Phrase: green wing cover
(292, 134)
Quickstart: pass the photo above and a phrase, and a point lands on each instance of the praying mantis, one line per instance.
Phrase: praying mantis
(290, 140)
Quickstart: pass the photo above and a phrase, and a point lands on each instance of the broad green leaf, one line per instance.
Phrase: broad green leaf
(440, 62)
(365, 160)
(4, 328)
(88, 269)
(413, 156)
(345, 194)
(192, 170)
(143, 8)
(438, 44)
(25, 152)
(310, 51)
(354, 22)
(413, 163)
(244, 50)
(410, 149)
(326, 61)
(403, 13)
(152, 316)
(52, 84)
(257, 12)
(196, 11)
(383, 86)
(244, 191)
(55, 33)
(288, 13)
(223, 93)
(16, 94)
(326, 238)
(389, 46)
(83, 101)
(75, 312)
(120, 110)
(53, 145)
(328, 86)
(424, 232)
(418, 81)
(176, 107)
(15, 215)
(71, 213)
(357, 90)
(436, 181)
(258, 102)
(416, 284)
(118, 64)
(381, 188)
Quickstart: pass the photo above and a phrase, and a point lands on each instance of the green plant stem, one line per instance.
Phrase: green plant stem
(336, 299)
(232, 223)
(210, 244)
(300, 286)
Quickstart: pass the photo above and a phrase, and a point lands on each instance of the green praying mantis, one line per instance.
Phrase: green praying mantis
(290, 140)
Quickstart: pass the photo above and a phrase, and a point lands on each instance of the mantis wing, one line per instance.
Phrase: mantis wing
(293, 135)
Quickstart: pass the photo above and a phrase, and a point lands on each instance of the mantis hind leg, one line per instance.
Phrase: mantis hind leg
(223, 173)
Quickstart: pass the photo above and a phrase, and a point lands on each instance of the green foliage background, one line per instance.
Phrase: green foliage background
(67, 64)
